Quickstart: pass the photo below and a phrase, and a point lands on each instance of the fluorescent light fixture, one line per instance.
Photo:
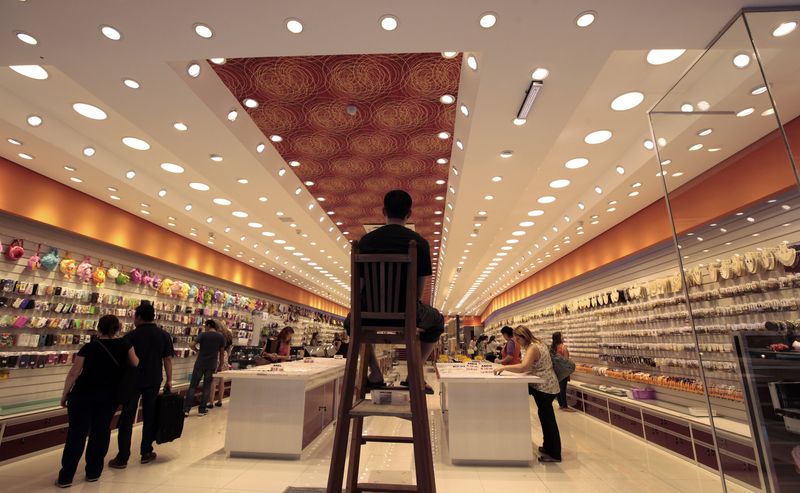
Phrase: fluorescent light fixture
(530, 97)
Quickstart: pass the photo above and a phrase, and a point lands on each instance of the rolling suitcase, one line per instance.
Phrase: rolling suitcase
(169, 417)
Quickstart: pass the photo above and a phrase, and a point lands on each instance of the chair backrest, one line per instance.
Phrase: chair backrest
(384, 285)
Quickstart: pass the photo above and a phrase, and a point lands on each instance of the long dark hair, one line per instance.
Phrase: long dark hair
(558, 340)
(283, 333)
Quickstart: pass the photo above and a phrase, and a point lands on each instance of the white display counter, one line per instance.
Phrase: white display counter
(276, 414)
(471, 399)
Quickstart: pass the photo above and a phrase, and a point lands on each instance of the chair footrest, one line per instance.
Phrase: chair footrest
(383, 487)
(386, 439)
(367, 408)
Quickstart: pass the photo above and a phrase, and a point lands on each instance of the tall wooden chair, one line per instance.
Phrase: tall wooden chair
(384, 297)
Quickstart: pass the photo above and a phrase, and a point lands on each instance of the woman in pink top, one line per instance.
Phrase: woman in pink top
(282, 352)
(510, 354)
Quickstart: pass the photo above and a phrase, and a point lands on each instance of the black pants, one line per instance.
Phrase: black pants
(148, 423)
(547, 418)
(207, 375)
(562, 394)
(88, 416)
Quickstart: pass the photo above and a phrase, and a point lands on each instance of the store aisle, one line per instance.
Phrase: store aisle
(597, 459)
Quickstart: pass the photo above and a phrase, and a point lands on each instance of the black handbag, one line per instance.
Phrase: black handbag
(562, 367)
(128, 383)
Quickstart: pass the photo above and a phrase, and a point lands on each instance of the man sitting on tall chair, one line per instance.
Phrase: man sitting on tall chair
(394, 237)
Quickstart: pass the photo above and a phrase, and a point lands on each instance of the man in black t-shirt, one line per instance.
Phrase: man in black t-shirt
(395, 237)
(210, 349)
(153, 346)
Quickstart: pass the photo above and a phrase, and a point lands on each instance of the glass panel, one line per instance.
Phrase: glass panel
(734, 202)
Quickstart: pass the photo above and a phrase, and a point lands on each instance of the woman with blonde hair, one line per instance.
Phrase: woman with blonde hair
(218, 384)
(536, 361)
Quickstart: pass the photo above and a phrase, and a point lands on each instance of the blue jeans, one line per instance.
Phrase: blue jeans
(207, 374)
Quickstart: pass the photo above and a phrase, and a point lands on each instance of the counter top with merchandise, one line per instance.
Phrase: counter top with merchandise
(480, 373)
(311, 370)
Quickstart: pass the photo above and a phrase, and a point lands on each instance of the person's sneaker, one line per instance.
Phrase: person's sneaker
(147, 458)
(202, 412)
(62, 485)
(209, 406)
(541, 450)
(218, 404)
(547, 459)
(92, 480)
(186, 414)
(117, 464)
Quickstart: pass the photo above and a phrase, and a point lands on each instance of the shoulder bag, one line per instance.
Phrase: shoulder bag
(562, 366)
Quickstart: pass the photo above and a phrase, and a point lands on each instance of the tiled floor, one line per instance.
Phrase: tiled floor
(597, 459)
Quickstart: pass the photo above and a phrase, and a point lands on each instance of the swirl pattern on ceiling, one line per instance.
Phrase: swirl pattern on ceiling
(354, 159)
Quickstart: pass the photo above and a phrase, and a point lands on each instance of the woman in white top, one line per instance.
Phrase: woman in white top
(536, 361)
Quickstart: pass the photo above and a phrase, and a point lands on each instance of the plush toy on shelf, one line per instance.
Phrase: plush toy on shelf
(165, 287)
(15, 250)
(99, 276)
(176, 289)
(147, 279)
(35, 261)
(122, 279)
(50, 260)
(192, 293)
(136, 276)
(84, 271)
(68, 267)
(184, 293)
(112, 273)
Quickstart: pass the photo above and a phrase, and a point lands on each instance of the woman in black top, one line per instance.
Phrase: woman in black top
(90, 396)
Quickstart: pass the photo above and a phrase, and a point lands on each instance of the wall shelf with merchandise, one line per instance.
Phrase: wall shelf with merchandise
(627, 324)
(46, 315)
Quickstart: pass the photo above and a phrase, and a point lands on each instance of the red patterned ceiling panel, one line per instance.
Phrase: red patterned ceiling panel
(390, 141)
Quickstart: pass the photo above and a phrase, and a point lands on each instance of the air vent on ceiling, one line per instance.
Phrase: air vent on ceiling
(287, 219)
(372, 227)
(480, 218)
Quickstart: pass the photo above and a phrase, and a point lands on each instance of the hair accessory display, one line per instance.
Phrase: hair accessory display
(768, 259)
(737, 265)
(15, 250)
(786, 255)
(713, 272)
(752, 262)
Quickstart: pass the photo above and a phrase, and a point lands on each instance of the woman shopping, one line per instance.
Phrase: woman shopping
(558, 347)
(282, 349)
(91, 396)
(218, 384)
(536, 361)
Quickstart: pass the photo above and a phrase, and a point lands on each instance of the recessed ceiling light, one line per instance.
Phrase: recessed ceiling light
(581, 206)
(215, 157)
(25, 156)
(243, 181)
(147, 213)
(560, 183)
(200, 187)
(89, 111)
(506, 154)
(262, 199)
(276, 138)
(660, 57)
(704, 132)
(443, 135)
(203, 31)
(388, 22)
(294, 26)
(598, 137)
(69, 168)
(519, 121)
(218, 61)
(540, 74)
(26, 38)
(472, 62)
(449, 54)
(222, 201)
(759, 90)
(464, 110)
(14, 141)
(636, 185)
(598, 190)
(232, 115)
(687, 108)
(89, 151)
(741, 60)
(768, 112)
(482, 213)
(546, 199)
(586, 19)
(162, 193)
(130, 83)
(113, 197)
(135, 143)
(488, 20)
(172, 168)
(745, 112)
(255, 225)
(784, 28)
(648, 144)
(620, 170)
(130, 174)
(460, 147)
(497, 179)
(488, 197)
(180, 126)
(627, 101)
(187, 207)
(576, 163)
(250, 103)
(193, 69)
(31, 71)
(633, 194)
(111, 33)
(35, 120)
(696, 147)
(677, 174)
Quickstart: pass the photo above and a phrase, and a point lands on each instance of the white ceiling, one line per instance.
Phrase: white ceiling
(589, 67)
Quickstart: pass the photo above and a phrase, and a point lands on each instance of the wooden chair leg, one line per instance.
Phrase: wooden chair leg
(423, 456)
(339, 453)
(355, 454)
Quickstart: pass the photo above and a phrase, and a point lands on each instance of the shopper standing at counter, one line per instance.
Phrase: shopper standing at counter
(218, 383)
(153, 346)
(536, 361)
(558, 347)
(491, 349)
(284, 346)
(511, 350)
(91, 394)
(210, 349)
